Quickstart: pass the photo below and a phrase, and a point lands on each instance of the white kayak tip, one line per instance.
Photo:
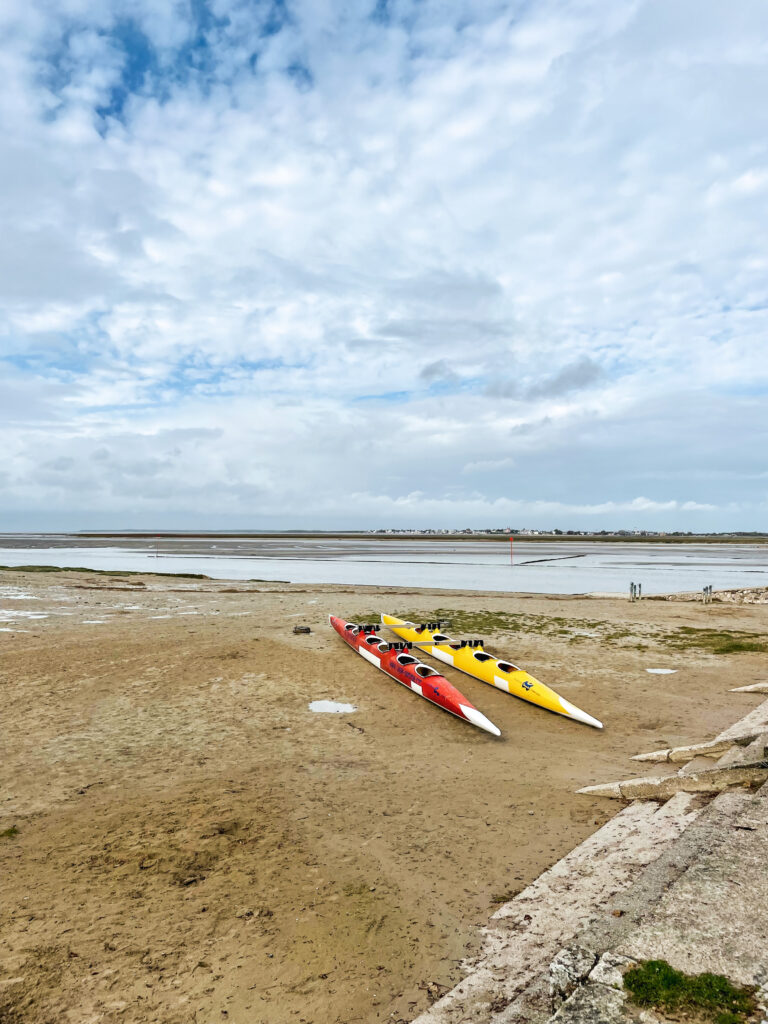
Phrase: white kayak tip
(478, 718)
(580, 716)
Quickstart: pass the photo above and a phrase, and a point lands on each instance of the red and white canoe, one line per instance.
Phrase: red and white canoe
(404, 668)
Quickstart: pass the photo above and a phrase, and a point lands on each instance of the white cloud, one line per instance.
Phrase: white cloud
(522, 240)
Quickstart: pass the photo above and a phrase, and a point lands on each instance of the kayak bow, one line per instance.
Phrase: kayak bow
(409, 671)
(478, 663)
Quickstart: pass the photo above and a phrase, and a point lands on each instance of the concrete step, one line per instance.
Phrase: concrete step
(709, 780)
(528, 931)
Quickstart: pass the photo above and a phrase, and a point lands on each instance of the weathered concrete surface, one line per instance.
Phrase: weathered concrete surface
(747, 766)
(755, 722)
(610, 970)
(526, 933)
(713, 917)
(741, 732)
(711, 780)
(567, 971)
(594, 1004)
(679, 755)
(755, 751)
(686, 882)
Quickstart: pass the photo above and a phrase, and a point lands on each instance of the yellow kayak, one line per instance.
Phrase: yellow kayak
(472, 659)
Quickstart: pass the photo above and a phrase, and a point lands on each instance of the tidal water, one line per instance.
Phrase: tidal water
(557, 567)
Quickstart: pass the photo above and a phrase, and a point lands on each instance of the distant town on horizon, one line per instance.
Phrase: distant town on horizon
(427, 531)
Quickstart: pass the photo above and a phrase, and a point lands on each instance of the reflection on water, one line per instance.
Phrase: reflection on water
(544, 568)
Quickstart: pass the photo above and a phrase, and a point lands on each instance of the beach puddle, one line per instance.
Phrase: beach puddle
(331, 707)
(661, 671)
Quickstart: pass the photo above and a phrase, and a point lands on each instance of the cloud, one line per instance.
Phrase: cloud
(439, 370)
(574, 376)
(538, 226)
(484, 465)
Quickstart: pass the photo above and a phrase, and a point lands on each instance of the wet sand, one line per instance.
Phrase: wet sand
(194, 845)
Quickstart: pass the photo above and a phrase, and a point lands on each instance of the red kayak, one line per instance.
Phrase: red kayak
(397, 661)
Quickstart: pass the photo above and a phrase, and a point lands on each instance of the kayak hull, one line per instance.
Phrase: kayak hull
(495, 671)
(407, 670)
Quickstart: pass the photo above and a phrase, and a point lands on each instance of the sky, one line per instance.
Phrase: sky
(390, 263)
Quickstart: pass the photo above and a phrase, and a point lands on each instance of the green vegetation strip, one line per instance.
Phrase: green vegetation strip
(481, 624)
(100, 572)
(10, 833)
(712, 997)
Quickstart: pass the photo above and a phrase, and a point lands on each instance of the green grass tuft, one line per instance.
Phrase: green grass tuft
(10, 833)
(657, 984)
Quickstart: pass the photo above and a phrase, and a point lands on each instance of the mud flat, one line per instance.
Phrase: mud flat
(183, 839)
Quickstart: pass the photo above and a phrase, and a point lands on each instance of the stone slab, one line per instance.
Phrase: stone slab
(526, 933)
(712, 780)
(715, 916)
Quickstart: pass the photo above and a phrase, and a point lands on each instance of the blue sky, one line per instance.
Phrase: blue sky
(396, 263)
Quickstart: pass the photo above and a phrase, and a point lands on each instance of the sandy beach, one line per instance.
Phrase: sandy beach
(183, 840)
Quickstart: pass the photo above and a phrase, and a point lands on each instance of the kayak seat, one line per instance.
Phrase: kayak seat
(482, 656)
(406, 659)
(506, 667)
(425, 670)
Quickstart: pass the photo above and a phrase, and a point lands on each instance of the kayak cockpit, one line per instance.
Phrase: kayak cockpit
(406, 659)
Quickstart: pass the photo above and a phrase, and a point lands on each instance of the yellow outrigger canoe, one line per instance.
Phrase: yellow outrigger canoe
(472, 659)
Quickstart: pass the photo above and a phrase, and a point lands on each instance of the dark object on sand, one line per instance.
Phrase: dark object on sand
(301, 629)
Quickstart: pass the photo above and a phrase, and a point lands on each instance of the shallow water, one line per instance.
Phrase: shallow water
(331, 707)
(557, 567)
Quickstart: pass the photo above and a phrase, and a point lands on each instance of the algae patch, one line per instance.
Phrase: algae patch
(634, 635)
(711, 997)
(101, 572)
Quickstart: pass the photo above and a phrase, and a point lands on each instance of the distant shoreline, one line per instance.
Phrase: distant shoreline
(612, 538)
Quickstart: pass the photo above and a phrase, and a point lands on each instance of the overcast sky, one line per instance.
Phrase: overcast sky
(322, 264)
